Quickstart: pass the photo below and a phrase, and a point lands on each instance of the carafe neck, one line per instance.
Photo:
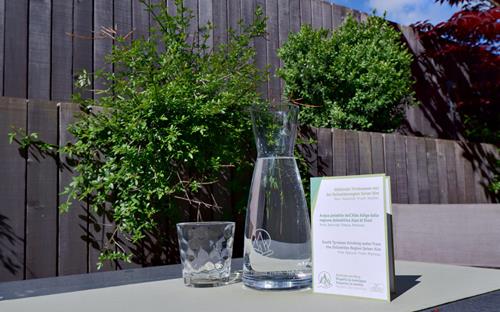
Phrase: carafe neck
(275, 130)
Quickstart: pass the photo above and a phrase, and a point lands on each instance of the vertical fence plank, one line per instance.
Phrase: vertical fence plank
(154, 27)
(72, 224)
(477, 167)
(283, 21)
(171, 7)
(294, 15)
(82, 42)
(41, 193)
(140, 19)
(2, 37)
(284, 30)
(136, 250)
(247, 11)
(338, 15)
(493, 167)
(316, 14)
(309, 151)
(313, 158)
(352, 152)
(222, 195)
(248, 8)
(16, 48)
(460, 166)
(451, 171)
(365, 153)
(412, 117)
(192, 8)
(377, 152)
(442, 171)
(103, 17)
(220, 21)
(12, 194)
(423, 178)
(117, 14)
(481, 182)
(339, 153)
(205, 16)
(390, 163)
(432, 171)
(305, 12)
(326, 10)
(412, 170)
(480, 195)
(325, 152)
(402, 180)
(234, 15)
(62, 50)
(39, 35)
(122, 15)
(470, 191)
(489, 156)
(100, 228)
(274, 90)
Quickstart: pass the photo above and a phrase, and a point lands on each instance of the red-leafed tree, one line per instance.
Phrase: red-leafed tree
(470, 39)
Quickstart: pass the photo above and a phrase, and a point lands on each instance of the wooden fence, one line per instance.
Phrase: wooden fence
(422, 170)
(44, 44)
(37, 241)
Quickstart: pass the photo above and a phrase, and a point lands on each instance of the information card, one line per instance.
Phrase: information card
(352, 243)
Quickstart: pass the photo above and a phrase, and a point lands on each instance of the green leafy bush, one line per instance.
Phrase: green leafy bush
(171, 120)
(357, 78)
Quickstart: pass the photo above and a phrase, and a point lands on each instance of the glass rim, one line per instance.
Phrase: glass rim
(206, 223)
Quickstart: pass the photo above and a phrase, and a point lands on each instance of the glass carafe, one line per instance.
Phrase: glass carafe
(277, 244)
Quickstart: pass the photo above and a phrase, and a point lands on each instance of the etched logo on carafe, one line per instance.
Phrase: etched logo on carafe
(261, 242)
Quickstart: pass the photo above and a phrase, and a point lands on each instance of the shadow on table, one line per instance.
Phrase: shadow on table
(78, 282)
(405, 283)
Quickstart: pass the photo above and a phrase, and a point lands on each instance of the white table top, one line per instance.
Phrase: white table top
(420, 286)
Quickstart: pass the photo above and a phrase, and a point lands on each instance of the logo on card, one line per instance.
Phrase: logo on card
(325, 280)
(261, 242)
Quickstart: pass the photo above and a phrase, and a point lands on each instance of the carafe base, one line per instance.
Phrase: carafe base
(278, 281)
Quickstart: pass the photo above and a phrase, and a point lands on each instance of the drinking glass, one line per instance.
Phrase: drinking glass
(206, 249)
